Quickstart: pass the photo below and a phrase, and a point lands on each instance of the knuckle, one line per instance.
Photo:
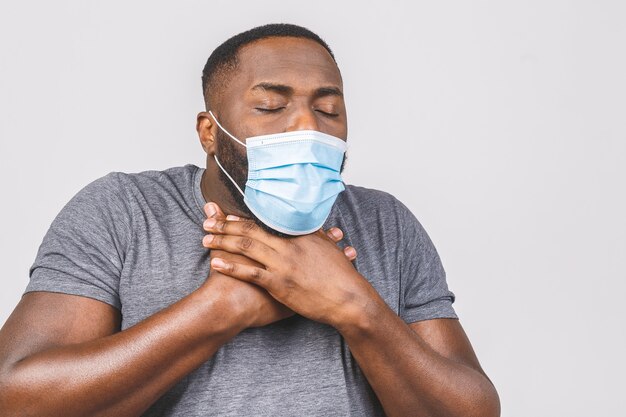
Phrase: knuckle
(291, 270)
(249, 227)
(293, 245)
(256, 274)
(218, 240)
(245, 243)
(290, 284)
(297, 250)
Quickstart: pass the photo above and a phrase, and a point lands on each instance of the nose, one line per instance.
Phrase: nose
(303, 119)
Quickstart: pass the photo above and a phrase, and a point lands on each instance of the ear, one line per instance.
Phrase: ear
(207, 130)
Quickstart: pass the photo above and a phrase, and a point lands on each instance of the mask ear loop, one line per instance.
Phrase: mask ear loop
(217, 160)
(226, 131)
(228, 175)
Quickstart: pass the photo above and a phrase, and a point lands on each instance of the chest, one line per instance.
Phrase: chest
(167, 262)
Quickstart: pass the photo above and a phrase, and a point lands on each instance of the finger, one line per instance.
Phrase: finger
(233, 218)
(218, 215)
(242, 245)
(335, 234)
(239, 227)
(350, 253)
(211, 210)
(251, 274)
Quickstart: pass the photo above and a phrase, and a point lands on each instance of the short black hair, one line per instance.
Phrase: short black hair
(223, 60)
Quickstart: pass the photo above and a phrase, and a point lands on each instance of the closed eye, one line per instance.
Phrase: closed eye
(269, 110)
(325, 113)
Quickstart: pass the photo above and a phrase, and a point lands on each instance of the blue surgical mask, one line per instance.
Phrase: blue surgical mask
(293, 178)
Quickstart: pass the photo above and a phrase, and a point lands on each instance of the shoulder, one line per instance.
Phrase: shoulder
(368, 199)
(372, 197)
(113, 197)
(374, 205)
(119, 184)
(162, 189)
(175, 177)
(381, 214)
(102, 195)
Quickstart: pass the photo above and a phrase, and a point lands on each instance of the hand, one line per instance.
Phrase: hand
(334, 233)
(309, 274)
(252, 302)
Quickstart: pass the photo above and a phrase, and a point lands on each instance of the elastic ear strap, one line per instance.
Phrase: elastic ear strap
(226, 131)
(228, 175)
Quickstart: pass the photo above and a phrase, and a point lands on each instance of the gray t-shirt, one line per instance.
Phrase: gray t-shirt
(133, 240)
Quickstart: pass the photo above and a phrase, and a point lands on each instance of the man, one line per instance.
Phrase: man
(128, 313)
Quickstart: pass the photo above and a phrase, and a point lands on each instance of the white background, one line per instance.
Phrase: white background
(500, 124)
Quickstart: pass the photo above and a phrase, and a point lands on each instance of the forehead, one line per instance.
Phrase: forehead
(298, 62)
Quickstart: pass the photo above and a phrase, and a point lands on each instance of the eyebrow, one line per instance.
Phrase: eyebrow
(278, 88)
(328, 91)
(287, 90)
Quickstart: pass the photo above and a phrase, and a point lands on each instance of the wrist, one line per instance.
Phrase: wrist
(359, 315)
(220, 314)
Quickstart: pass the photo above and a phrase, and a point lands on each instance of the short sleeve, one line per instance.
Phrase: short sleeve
(424, 289)
(84, 249)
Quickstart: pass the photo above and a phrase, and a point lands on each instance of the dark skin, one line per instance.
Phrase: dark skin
(430, 368)
(65, 355)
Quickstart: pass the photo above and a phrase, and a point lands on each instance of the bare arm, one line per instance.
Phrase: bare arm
(430, 369)
(63, 355)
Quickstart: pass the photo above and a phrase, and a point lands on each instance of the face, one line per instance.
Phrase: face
(281, 84)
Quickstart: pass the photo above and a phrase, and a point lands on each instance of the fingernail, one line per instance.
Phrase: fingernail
(211, 210)
(208, 239)
(336, 232)
(233, 218)
(350, 252)
(208, 223)
(218, 263)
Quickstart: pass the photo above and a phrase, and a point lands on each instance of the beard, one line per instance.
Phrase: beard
(235, 162)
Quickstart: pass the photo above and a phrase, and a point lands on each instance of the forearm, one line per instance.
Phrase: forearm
(409, 377)
(122, 374)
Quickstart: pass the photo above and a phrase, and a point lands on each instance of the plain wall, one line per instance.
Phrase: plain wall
(500, 124)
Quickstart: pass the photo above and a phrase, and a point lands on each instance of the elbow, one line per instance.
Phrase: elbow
(6, 393)
(487, 402)
(15, 400)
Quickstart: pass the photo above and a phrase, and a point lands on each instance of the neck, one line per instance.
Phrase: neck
(213, 190)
